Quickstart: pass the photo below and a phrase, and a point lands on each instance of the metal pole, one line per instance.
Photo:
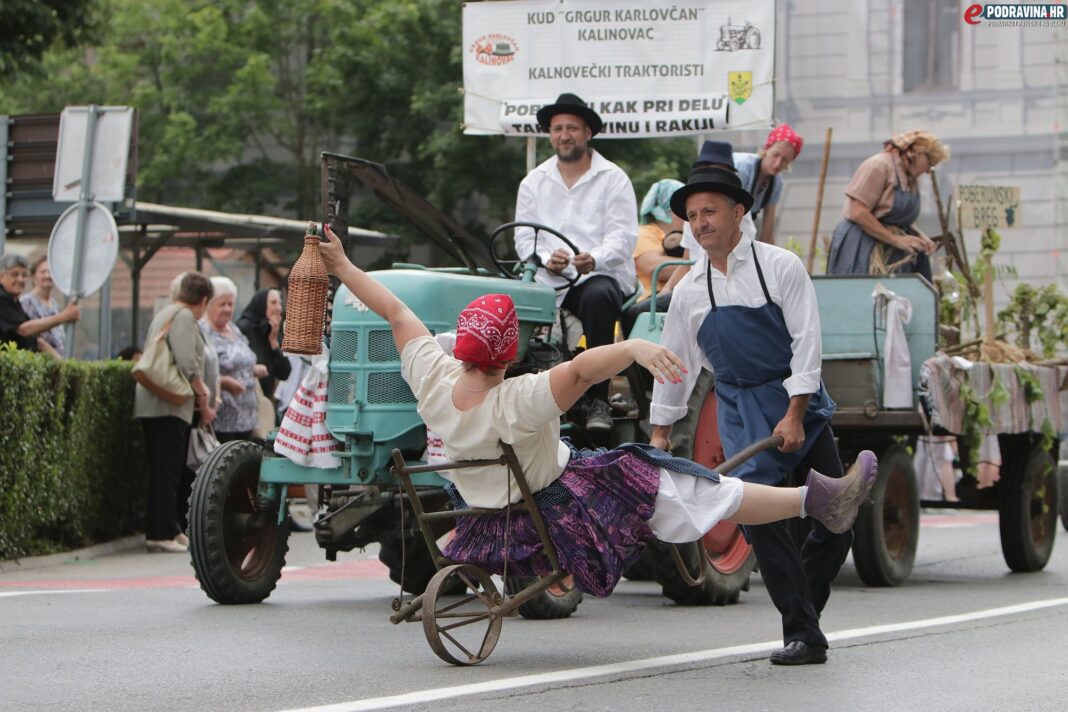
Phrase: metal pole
(3, 182)
(259, 266)
(85, 199)
(135, 278)
(105, 321)
(532, 154)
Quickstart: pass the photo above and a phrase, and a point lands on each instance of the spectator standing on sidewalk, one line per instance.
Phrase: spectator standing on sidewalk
(166, 425)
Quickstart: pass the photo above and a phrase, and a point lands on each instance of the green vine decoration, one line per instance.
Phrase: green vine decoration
(999, 394)
(1049, 435)
(1040, 314)
(976, 420)
(988, 245)
(1029, 383)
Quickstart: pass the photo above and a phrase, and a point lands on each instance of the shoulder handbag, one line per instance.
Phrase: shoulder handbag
(157, 372)
(265, 415)
(202, 442)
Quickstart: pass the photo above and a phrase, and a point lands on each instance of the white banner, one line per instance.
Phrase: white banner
(648, 67)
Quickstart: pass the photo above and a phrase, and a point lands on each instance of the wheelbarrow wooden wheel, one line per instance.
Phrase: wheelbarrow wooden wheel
(461, 629)
(237, 546)
(887, 529)
(1028, 508)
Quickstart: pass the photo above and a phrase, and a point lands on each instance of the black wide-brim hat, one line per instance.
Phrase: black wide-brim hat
(710, 180)
(570, 104)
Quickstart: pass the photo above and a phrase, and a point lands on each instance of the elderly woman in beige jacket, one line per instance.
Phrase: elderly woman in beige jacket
(167, 426)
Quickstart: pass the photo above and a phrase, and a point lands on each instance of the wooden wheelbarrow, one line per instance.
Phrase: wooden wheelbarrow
(463, 628)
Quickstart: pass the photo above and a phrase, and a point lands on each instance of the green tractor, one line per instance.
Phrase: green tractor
(238, 523)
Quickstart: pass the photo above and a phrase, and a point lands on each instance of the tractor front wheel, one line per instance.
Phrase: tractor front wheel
(238, 547)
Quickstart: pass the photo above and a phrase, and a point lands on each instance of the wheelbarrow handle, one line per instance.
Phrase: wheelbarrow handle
(757, 447)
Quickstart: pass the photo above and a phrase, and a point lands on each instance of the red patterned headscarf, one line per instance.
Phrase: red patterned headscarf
(785, 132)
(487, 332)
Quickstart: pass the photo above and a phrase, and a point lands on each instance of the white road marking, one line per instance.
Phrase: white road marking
(621, 670)
(10, 594)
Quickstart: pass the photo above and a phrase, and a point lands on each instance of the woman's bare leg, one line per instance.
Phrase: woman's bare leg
(762, 504)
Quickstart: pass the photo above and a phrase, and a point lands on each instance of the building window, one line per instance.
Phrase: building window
(932, 45)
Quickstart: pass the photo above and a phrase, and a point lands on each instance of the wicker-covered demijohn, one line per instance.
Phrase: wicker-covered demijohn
(306, 302)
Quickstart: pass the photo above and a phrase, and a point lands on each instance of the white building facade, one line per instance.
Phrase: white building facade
(996, 95)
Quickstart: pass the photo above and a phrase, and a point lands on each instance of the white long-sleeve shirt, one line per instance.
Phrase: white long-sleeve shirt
(790, 287)
(599, 213)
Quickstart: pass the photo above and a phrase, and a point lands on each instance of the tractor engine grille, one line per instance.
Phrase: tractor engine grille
(380, 347)
(343, 345)
(389, 387)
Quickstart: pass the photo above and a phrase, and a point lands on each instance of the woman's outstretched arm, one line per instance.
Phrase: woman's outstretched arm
(570, 380)
(404, 323)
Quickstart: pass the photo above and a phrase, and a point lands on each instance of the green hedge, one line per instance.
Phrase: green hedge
(72, 459)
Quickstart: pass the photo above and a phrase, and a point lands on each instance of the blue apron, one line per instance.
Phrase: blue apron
(750, 351)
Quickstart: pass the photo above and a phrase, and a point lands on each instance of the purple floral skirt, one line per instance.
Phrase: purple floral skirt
(596, 514)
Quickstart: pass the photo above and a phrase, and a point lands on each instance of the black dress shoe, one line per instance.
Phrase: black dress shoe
(799, 653)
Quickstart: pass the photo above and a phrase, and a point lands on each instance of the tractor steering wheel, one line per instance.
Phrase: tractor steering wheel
(508, 266)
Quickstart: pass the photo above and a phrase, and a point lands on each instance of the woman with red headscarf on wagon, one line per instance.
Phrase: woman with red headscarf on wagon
(598, 508)
(761, 175)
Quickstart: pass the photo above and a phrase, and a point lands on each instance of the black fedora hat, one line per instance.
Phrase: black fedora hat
(570, 104)
(710, 180)
(715, 152)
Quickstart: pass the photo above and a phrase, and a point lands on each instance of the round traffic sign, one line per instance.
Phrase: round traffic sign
(100, 249)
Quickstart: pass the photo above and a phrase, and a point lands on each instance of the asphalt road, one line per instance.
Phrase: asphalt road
(132, 631)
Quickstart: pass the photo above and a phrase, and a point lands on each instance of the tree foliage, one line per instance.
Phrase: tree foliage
(237, 98)
(29, 27)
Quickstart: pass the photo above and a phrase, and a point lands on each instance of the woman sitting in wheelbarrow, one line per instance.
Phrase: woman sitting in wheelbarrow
(600, 507)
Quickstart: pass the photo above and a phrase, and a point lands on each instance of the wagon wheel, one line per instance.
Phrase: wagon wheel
(1028, 508)
(461, 630)
(1062, 493)
(887, 529)
(238, 547)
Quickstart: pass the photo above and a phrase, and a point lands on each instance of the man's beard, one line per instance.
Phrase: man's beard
(575, 154)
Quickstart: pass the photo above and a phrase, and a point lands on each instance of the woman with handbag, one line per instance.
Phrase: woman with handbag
(236, 417)
(202, 440)
(167, 421)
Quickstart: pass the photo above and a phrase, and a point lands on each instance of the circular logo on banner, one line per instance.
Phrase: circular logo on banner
(494, 49)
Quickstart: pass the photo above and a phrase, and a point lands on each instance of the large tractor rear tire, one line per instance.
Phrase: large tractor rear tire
(730, 557)
(238, 547)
